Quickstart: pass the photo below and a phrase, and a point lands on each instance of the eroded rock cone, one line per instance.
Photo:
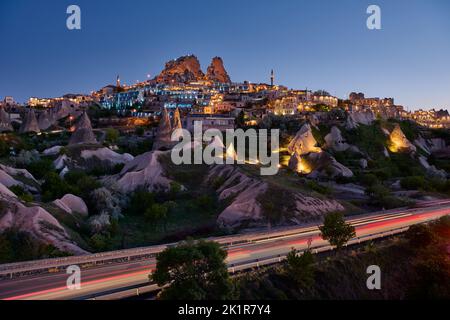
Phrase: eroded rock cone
(216, 71)
(398, 141)
(5, 122)
(30, 123)
(83, 131)
(164, 133)
(177, 124)
(44, 121)
(335, 141)
(303, 142)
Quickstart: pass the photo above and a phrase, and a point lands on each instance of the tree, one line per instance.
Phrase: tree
(193, 271)
(300, 267)
(112, 135)
(156, 212)
(336, 231)
(240, 120)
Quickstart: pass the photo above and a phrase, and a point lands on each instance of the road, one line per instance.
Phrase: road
(102, 280)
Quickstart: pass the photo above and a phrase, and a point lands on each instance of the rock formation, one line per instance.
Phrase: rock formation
(398, 141)
(106, 155)
(72, 204)
(145, 171)
(30, 123)
(5, 121)
(303, 142)
(44, 121)
(245, 209)
(335, 141)
(216, 71)
(318, 165)
(37, 222)
(176, 124)
(83, 131)
(365, 117)
(53, 151)
(6, 193)
(164, 133)
(181, 70)
(350, 123)
(432, 171)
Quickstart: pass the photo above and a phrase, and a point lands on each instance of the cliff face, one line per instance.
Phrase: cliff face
(183, 69)
(187, 68)
(216, 71)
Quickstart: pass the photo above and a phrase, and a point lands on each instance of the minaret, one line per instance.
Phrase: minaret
(272, 78)
(118, 81)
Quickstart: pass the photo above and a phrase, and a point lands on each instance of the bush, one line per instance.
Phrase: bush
(40, 168)
(369, 179)
(413, 183)
(112, 135)
(139, 202)
(54, 187)
(21, 193)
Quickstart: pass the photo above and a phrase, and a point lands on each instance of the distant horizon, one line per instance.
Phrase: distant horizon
(309, 44)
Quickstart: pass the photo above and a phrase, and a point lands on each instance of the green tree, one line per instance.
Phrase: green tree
(336, 231)
(193, 271)
(112, 135)
(140, 201)
(156, 212)
(300, 267)
(139, 131)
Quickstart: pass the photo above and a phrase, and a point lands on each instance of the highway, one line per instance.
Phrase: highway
(100, 281)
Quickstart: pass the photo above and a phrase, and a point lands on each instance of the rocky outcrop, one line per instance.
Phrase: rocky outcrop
(30, 123)
(44, 121)
(335, 141)
(181, 70)
(106, 155)
(356, 118)
(177, 125)
(430, 146)
(323, 165)
(18, 172)
(53, 151)
(5, 121)
(5, 192)
(303, 142)
(83, 131)
(350, 123)
(432, 171)
(398, 141)
(245, 208)
(216, 71)
(90, 157)
(39, 223)
(164, 134)
(145, 171)
(72, 204)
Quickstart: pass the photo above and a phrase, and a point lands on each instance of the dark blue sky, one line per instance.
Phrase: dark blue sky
(320, 44)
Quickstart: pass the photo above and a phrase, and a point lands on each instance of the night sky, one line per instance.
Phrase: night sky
(314, 44)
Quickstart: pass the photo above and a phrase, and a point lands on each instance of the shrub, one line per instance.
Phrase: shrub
(413, 183)
(21, 193)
